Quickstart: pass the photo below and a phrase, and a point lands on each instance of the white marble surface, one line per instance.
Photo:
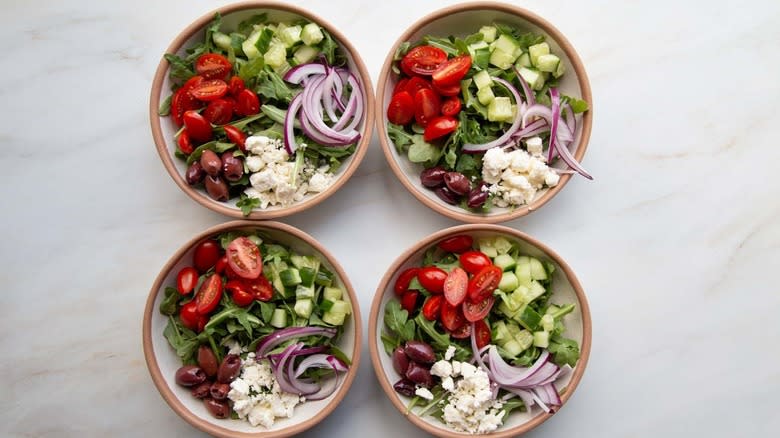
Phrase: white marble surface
(675, 241)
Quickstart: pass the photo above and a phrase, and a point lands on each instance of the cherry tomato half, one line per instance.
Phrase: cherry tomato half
(474, 261)
(403, 280)
(447, 89)
(260, 288)
(409, 300)
(452, 71)
(244, 258)
(484, 283)
(219, 111)
(186, 280)
(461, 332)
(213, 66)
(422, 60)
(209, 294)
(427, 106)
(450, 106)
(400, 86)
(210, 89)
(206, 255)
(221, 264)
(191, 318)
(400, 111)
(416, 84)
(455, 286)
(439, 127)
(247, 103)
(431, 309)
(477, 311)
(236, 136)
(182, 101)
(235, 85)
(198, 128)
(451, 316)
(456, 244)
(481, 333)
(239, 293)
(432, 279)
(185, 143)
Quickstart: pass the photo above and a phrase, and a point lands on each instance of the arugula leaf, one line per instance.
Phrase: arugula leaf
(195, 155)
(180, 68)
(266, 311)
(526, 358)
(397, 320)
(441, 341)
(399, 137)
(524, 40)
(577, 105)
(564, 351)
(444, 44)
(328, 48)
(390, 342)
(340, 355)
(250, 70)
(165, 106)
(168, 305)
(401, 50)
(247, 204)
(247, 26)
(421, 151)
(469, 165)
(271, 86)
(510, 405)
(182, 339)
(210, 29)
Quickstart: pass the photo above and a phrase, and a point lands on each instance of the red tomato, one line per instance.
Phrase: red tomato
(235, 85)
(400, 86)
(474, 261)
(182, 101)
(409, 300)
(244, 258)
(461, 332)
(439, 127)
(451, 316)
(452, 71)
(416, 84)
(209, 90)
(219, 111)
(447, 90)
(185, 143)
(261, 288)
(481, 333)
(432, 279)
(477, 311)
(422, 60)
(484, 283)
(221, 264)
(197, 126)
(236, 136)
(206, 255)
(247, 103)
(403, 280)
(455, 286)
(190, 317)
(186, 280)
(239, 293)
(213, 66)
(450, 106)
(456, 244)
(209, 294)
(400, 111)
(427, 106)
(432, 307)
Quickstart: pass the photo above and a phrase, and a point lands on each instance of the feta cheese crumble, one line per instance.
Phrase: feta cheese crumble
(256, 395)
(515, 177)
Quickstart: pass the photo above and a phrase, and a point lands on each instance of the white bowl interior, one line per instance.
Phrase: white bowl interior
(461, 24)
(169, 362)
(563, 293)
(230, 21)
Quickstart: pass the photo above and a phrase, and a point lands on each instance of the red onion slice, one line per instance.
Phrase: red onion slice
(312, 109)
(354, 109)
(320, 361)
(289, 124)
(554, 116)
(529, 94)
(328, 103)
(300, 72)
(504, 138)
(269, 342)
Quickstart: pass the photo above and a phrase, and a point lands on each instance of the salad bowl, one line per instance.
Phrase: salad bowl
(180, 150)
(447, 33)
(429, 403)
(163, 357)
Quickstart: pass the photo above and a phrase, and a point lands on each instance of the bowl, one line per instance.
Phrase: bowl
(464, 19)
(163, 362)
(164, 129)
(566, 289)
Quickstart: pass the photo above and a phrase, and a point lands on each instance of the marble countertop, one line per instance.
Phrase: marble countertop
(672, 241)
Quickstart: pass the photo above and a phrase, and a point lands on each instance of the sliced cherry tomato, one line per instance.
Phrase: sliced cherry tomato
(423, 60)
(477, 311)
(439, 127)
(450, 106)
(209, 90)
(484, 283)
(185, 143)
(247, 103)
(213, 66)
(416, 84)
(186, 280)
(230, 273)
(400, 111)
(219, 111)
(455, 286)
(462, 332)
(452, 71)
(474, 261)
(447, 90)
(197, 126)
(209, 294)
(431, 309)
(400, 86)
(191, 318)
(409, 300)
(206, 255)
(482, 333)
(221, 264)
(427, 106)
(451, 316)
(432, 279)
(235, 85)
(182, 101)
(403, 280)
(239, 293)
(244, 258)
(457, 244)
(236, 136)
(261, 288)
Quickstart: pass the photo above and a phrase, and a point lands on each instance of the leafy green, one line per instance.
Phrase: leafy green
(271, 86)
(397, 320)
(170, 301)
(510, 405)
(441, 341)
(564, 351)
(399, 137)
(527, 357)
(524, 40)
(209, 32)
(420, 151)
(401, 50)
(165, 106)
(182, 339)
(469, 165)
(445, 44)
(247, 26)
(180, 68)
(247, 204)
(577, 105)
(250, 70)
(328, 49)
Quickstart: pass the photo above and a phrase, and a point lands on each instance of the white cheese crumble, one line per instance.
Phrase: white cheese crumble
(424, 393)
(516, 176)
(256, 395)
(273, 178)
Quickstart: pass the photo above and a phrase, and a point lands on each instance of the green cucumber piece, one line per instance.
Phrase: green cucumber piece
(486, 246)
(523, 61)
(222, 41)
(523, 270)
(332, 293)
(501, 59)
(508, 282)
(482, 79)
(528, 318)
(538, 50)
(506, 262)
(276, 56)
(485, 96)
(502, 244)
(488, 33)
(537, 269)
(303, 307)
(541, 339)
(307, 276)
(290, 277)
(534, 78)
(311, 34)
(305, 54)
(279, 318)
(548, 63)
(499, 109)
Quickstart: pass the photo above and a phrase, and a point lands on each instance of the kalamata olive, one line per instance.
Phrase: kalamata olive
(400, 361)
(446, 195)
(211, 162)
(217, 188)
(419, 374)
(457, 182)
(229, 369)
(201, 391)
(404, 387)
(207, 361)
(190, 375)
(477, 196)
(432, 177)
(219, 391)
(217, 408)
(232, 167)
(194, 174)
(419, 352)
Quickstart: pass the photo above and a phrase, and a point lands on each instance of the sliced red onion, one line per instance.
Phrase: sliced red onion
(537, 110)
(302, 352)
(312, 109)
(300, 72)
(529, 94)
(552, 394)
(327, 388)
(318, 136)
(536, 127)
(554, 116)
(566, 370)
(338, 91)
(269, 342)
(284, 384)
(327, 96)
(303, 388)
(478, 353)
(357, 92)
(570, 161)
(289, 124)
(505, 137)
(320, 361)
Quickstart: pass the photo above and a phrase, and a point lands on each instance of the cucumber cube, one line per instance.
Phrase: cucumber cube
(507, 44)
(541, 339)
(538, 50)
(290, 35)
(499, 109)
(332, 293)
(485, 95)
(290, 277)
(311, 34)
(276, 55)
(523, 270)
(486, 246)
(532, 292)
(500, 332)
(483, 79)
(525, 339)
(512, 348)
(279, 318)
(523, 61)
(302, 291)
(307, 276)
(560, 70)
(534, 78)
(305, 54)
(548, 322)
(502, 59)
(249, 45)
(304, 307)
(506, 262)
(508, 282)
(528, 318)
(548, 63)
(222, 41)
(502, 245)
(283, 68)
(340, 306)
(334, 318)
(488, 33)
(537, 269)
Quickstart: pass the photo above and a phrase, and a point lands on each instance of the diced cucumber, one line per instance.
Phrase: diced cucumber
(297, 260)
(323, 278)
(488, 33)
(537, 269)
(332, 293)
(525, 339)
(482, 80)
(532, 292)
(276, 55)
(486, 246)
(517, 53)
(279, 318)
(552, 309)
(276, 280)
(305, 54)
(508, 282)
(249, 45)
(541, 339)
(538, 50)
(499, 109)
(304, 307)
(222, 41)
(523, 61)
(560, 70)
(333, 318)
(499, 332)
(506, 262)
(502, 244)
(548, 322)
(501, 59)
(507, 44)
(523, 270)
(311, 34)
(512, 347)
(290, 35)
(341, 306)
(528, 318)
(548, 63)
(307, 276)
(290, 277)
(283, 68)
(302, 291)
(266, 36)
(534, 78)
(485, 95)
(254, 238)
